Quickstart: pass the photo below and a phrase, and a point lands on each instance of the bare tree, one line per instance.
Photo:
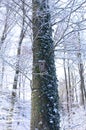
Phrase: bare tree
(22, 35)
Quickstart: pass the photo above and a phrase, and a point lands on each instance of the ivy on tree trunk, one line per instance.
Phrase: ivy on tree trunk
(44, 115)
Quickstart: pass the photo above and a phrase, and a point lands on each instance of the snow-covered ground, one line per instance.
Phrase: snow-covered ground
(15, 114)
(75, 120)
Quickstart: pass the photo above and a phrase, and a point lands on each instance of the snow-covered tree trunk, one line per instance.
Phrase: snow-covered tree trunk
(22, 35)
(2, 40)
(66, 85)
(44, 114)
(81, 73)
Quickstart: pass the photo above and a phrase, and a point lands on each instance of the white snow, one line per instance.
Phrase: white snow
(76, 120)
(14, 113)
(51, 121)
(40, 123)
(55, 110)
(36, 128)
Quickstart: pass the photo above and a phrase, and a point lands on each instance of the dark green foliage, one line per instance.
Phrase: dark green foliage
(45, 98)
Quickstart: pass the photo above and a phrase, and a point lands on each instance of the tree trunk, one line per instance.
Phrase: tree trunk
(81, 72)
(82, 85)
(22, 35)
(2, 40)
(66, 84)
(73, 92)
(70, 87)
(44, 114)
(18, 59)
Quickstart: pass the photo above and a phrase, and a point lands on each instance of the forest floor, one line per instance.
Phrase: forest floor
(15, 114)
(74, 120)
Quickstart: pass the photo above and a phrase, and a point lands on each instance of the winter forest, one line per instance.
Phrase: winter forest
(43, 65)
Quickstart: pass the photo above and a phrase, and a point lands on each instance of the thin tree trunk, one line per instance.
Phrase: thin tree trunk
(15, 82)
(82, 85)
(2, 74)
(73, 87)
(44, 115)
(69, 84)
(18, 60)
(22, 34)
(66, 84)
(9, 117)
(2, 40)
(81, 72)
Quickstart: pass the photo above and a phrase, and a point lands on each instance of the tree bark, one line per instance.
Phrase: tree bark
(22, 35)
(66, 85)
(44, 114)
(81, 72)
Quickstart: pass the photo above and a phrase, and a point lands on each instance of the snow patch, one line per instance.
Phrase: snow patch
(40, 123)
(36, 128)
